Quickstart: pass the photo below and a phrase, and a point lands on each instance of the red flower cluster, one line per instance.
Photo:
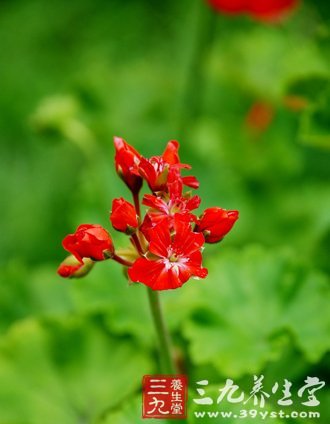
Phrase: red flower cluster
(168, 241)
(263, 10)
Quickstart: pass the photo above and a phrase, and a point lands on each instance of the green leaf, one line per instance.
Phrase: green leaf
(126, 306)
(40, 292)
(66, 371)
(245, 307)
(130, 413)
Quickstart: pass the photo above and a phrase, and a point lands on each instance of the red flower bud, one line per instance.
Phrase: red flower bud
(215, 223)
(89, 241)
(123, 216)
(72, 268)
(127, 160)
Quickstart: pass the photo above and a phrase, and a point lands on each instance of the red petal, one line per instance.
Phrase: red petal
(147, 171)
(190, 182)
(155, 202)
(192, 268)
(174, 182)
(193, 203)
(185, 240)
(70, 244)
(147, 224)
(121, 144)
(160, 239)
(154, 274)
(168, 280)
(195, 265)
(171, 154)
(145, 271)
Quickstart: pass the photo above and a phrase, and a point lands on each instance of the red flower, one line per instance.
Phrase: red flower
(155, 170)
(89, 241)
(123, 216)
(171, 203)
(229, 6)
(174, 258)
(72, 268)
(127, 160)
(271, 10)
(215, 223)
(263, 10)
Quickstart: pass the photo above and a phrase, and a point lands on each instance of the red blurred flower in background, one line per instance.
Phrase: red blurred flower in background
(259, 116)
(263, 10)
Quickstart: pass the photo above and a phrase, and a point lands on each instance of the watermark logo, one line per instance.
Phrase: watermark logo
(232, 393)
(164, 396)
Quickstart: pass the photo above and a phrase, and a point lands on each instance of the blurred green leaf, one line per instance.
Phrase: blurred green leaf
(130, 413)
(248, 302)
(268, 59)
(126, 306)
(66, 371)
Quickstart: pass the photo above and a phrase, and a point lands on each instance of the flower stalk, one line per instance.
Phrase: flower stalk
(121, 260)
(165, 344)
(137, 244)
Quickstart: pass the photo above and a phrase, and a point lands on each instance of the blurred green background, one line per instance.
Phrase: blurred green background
(73, 75)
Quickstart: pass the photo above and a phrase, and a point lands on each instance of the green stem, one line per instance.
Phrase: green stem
(121, 260)
(192, 101)
(166, 356)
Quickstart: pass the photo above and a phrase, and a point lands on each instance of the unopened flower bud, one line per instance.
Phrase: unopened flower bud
(89, 241)
(215, 223)
(72, 268)
(123, 216)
